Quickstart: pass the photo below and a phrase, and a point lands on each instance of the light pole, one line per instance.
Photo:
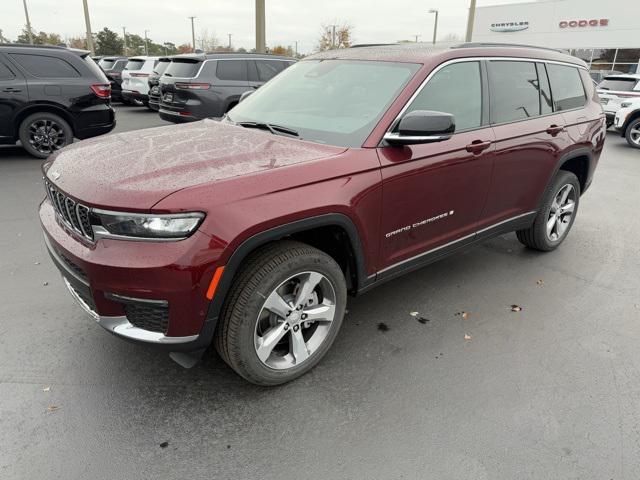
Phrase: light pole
(26, 14)
(229, 40)
(193, 34)
(470, 18)
(261, 38)
(87, 21)
(146, 42)
(124, 35)
(417, 36)
(296, 48)
(435, 24)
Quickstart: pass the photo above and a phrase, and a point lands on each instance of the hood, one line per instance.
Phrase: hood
(135, 170)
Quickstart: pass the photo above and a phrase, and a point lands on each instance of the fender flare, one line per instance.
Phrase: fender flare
(264, 237)
(578, 152)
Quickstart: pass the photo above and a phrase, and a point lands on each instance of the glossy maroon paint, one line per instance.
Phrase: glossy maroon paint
(248, 181)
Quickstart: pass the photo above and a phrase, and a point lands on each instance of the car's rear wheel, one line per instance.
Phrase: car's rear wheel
(556, 215)
(632, 133)
(282, 314)
(43, 133)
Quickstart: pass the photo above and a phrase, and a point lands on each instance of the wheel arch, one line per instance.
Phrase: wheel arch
(42, 107)
(630, 118)
(332, 233)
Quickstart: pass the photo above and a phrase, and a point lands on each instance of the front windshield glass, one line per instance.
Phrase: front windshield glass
(337, 102)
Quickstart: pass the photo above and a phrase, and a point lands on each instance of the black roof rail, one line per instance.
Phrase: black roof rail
(361, 45)
(28, 45)
(500, 45)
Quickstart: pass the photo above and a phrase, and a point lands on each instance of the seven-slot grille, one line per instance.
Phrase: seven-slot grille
(75, 215)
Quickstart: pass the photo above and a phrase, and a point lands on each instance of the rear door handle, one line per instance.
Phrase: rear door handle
(11, 90)
(478, 146)
(554, 129)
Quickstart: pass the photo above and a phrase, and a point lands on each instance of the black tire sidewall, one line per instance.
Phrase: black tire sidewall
(562, 179)
(23, 131)
(249, 365)
(627, 132)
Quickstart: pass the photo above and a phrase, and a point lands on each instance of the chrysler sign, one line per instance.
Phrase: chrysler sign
(509, 26)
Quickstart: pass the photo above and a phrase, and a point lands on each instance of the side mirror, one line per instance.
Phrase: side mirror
(245, 95)
(422, 126)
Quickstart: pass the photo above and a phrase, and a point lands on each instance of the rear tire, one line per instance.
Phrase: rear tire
(44, 133)
(556, 215)
(266, 332)
(632, 133)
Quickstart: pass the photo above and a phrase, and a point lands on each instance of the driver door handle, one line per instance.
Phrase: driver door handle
(554, 129)
(477, 146)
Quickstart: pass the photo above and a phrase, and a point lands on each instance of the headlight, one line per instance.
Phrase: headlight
(150, 227)
(625, 104)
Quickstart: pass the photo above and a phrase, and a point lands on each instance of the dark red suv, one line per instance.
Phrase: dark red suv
(346, 170)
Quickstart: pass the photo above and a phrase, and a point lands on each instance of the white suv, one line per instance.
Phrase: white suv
(615, 89)
(135, 76)
(627, 121)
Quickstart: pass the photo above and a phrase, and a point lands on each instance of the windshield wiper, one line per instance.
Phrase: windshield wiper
(273, 128)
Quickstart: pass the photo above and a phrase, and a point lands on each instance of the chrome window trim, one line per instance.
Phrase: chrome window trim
(478, 59)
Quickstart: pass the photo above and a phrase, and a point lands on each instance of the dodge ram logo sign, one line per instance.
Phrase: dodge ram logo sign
(602, 22)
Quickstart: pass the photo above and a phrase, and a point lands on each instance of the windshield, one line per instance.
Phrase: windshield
(619, 84)
(134, 64)
(161, 66)
(183, 67)
(337, 102)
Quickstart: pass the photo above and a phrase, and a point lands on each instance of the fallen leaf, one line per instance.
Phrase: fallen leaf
(45, 283)
(52, 408)
(46, 389)
(164, 444)
(422, 320)
(465, 315)
(383, 327)
(414, 314)
(540, 282)
(516, 308)
(36, 263)
(467, 336)
(228, 447)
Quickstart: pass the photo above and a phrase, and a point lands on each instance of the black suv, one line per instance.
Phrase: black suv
(49, 95)
(154, 82)
(112, 67)
(194, 87)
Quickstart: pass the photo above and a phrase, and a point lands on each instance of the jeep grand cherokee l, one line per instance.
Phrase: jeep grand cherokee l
(346, 170)
(49, 95)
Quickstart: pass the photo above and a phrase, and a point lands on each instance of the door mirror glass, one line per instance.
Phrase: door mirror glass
(422, 126)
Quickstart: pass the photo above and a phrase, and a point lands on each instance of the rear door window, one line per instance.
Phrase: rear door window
(515, 91)
(232, 70)
(454, 89)
(43, 66)
(267, 69)
(618, 84)
(134, 64)
(566, 87)
(183, 68)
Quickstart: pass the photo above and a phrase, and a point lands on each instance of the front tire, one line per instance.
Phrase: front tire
(556, 215)
(632, 133)
(282, 313)
(43, 133)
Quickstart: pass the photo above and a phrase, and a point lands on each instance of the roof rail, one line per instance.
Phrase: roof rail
(361, 45)
(28, 45)
(514, 45)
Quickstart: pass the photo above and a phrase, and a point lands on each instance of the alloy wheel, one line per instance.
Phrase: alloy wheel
(46, 136)
(561, 212)
(295, 320)
(634, 134)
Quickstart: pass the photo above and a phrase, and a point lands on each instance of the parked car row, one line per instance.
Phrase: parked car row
(620, 99)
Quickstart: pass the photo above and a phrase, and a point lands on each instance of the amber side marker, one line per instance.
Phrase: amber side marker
(214, 282)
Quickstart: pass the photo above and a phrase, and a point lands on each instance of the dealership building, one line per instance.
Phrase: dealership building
(605, 34)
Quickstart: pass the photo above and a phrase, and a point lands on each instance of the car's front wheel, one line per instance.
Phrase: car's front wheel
(632, 133)
(282, 313)
(556, 215)
(43, 133)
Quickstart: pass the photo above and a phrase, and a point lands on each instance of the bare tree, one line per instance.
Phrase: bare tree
(336, 35)
(207, 41)
(452, 38)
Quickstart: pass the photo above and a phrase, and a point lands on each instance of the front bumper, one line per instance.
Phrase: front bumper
(98, 276)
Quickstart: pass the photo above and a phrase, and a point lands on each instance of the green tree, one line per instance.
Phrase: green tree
(40, 38)
(108, 42)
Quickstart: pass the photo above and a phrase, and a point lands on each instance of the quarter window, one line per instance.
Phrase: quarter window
(232, 70)
(267, 69)
(515, 91)
(566, 86)
(454, 89)
(45, 67)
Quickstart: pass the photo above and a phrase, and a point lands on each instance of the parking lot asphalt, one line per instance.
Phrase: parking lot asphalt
(551, 391)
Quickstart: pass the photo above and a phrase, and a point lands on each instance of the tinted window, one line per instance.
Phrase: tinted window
(232, 70)
(546, 104)
(566, 87)
(267, 69)
(455, 89)
(183, 68)
(120, 64)
(93, 66)
(514, 91)
(5, 73)
(618, 84)
(134, 64)
(45, 67)
(107, 63)
(161, 66)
